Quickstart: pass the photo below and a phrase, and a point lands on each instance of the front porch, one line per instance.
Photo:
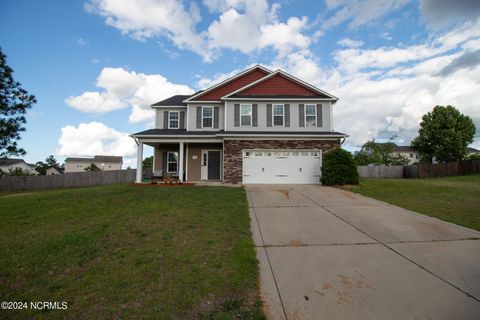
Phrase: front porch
(189, 161)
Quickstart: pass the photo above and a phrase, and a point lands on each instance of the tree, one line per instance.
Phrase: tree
(14, 103)
(379, 153)
(51, 161)
(92, 167)
(339, 168)
(41, 168)
(147, 162)
(444, 135)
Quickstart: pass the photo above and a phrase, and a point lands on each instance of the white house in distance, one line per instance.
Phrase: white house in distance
(54, 171)
(7, 164)
(412, 155)
(105, 163)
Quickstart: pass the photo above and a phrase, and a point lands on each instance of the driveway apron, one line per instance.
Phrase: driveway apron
(326, 253)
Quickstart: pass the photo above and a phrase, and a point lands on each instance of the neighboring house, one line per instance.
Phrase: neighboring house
(7, 164)
(54, 171)
(259, 126)
(105, 163)
(472, 151)
(411, 154)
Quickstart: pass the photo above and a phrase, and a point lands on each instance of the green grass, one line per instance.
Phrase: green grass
(453, 199)
(122, 251)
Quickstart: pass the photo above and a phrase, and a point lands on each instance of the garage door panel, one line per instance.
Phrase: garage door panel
(281, 166)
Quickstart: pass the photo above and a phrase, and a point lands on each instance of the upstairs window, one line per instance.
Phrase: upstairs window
(173, 119)
(246, 114)
(207, 117)
(310, 115)
(278, 115)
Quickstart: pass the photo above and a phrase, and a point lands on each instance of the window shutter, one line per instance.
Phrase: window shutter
(216, 116)
(164, 164)
(182, 120)
(254, 115)
(287, 115)
(236, 115)
(269, 115)
(319, 116)
(199, 117)
(301, 115)
(165, 119)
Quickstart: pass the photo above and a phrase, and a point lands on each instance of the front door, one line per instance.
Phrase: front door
(210, 169)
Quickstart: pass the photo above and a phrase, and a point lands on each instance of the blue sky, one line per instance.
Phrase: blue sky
(95, 66)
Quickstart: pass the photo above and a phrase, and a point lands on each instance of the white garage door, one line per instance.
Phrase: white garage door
(281, 166)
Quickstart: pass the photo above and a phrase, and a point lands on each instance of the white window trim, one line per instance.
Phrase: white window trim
(168, 162)
(305, 115)
(273, 115)
(251, 115)
(213, 116)
(169, 119)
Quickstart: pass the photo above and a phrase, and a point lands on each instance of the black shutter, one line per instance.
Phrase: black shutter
(236, 115)
(199, 117)
(216, 115)
(269, 115)
(319, 116)
(287, 115)
(182, 120)
(165, 119)
(301, 115)
(254, 115)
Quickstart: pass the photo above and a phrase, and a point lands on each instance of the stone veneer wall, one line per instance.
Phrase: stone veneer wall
(232, 152)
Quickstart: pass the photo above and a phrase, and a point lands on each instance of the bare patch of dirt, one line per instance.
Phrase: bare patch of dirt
(296, 243)
(286, 193)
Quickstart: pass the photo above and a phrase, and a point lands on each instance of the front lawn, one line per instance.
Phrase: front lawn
(453, 199)
(123, 251)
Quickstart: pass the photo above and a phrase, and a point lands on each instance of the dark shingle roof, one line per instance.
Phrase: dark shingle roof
(108, 159)
(78, 159)
(172, 101)
(470, 149)
(183, 132)
(7, 161)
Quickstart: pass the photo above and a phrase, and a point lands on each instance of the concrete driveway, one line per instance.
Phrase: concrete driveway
(330, 254)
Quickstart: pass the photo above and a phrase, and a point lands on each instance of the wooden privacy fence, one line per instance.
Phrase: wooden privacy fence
(457, 168)
(67, 180)
(380, 171)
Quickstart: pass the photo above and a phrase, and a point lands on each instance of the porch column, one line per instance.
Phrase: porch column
(139, 161)
(180, 162)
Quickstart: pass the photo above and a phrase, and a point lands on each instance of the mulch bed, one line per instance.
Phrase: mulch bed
(185, 184)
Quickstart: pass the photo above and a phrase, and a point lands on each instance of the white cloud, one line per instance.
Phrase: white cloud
(94, 138)
(359, 12)
(381, 95)
(83, 42)
(246, 26)
(121, 88)
(441, 13)
(349, 43)
(144, 19)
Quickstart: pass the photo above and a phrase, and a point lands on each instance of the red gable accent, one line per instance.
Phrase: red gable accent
(277, 85)
(233, 85)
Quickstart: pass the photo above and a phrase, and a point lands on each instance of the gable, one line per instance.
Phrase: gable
(233, 85)
(279, 85)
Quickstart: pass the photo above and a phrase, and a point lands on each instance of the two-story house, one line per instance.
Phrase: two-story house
(259, 126)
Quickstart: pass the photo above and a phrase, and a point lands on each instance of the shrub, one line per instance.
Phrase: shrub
(339, 168)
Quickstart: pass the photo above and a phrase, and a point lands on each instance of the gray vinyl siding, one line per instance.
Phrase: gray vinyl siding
(159, 116)
(294, 116)
(192, 117)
